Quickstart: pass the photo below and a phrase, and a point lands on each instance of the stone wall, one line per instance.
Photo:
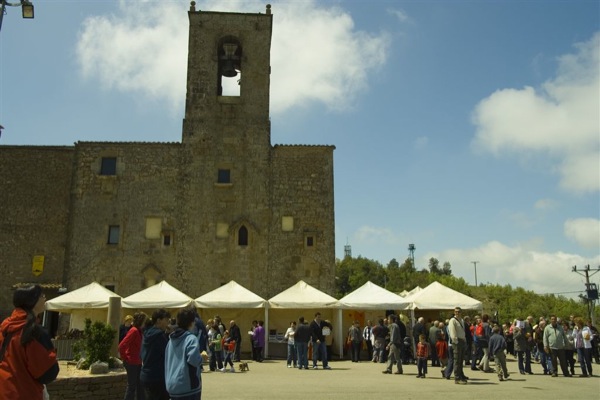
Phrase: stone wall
(111, 386)
(35, 185)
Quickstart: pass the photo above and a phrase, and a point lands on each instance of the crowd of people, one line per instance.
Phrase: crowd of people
(163, 356)
(460, 342)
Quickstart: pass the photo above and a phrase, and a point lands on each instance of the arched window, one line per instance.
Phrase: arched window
(243, 236)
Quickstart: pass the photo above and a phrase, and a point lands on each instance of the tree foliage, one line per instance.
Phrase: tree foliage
(95, 344)
(509, 303)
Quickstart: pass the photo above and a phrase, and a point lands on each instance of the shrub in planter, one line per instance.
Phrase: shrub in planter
(95, 344)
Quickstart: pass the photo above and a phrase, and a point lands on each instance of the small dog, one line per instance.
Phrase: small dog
(243, 366)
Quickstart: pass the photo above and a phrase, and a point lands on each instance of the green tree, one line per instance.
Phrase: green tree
(446, 269)
(434, 266)
(96, 342)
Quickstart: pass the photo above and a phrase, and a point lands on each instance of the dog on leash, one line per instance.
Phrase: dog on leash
(243, 367)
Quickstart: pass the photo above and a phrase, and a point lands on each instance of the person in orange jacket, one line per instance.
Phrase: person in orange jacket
(27, 356)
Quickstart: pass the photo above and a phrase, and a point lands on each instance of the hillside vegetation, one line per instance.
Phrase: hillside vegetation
(508, 301)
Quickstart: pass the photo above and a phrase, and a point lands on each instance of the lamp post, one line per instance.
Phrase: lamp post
(26, 9)
(475, 264)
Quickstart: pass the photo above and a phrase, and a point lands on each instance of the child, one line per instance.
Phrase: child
(229, 347)
(496, 346)
(422, 356)
(183, 359)
(216, 352)
(441, 346)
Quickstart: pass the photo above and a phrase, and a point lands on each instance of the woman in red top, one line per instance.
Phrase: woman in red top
(27, 356)
(130, 349)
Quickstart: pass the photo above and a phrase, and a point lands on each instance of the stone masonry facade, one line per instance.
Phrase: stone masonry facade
(223, 204)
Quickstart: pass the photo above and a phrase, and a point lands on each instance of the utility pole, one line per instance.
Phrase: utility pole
(475, 264)
(591, 290)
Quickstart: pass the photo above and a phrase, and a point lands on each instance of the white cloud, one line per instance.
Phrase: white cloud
(561, 119)
(584, 231)
(521, 265)
(143, 51)
(400, 14)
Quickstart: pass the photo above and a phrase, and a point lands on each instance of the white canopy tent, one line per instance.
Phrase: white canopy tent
(290, 304)
(161, 295)
(368, 302)
(90, 301)
(439, 297)
(233, 302)
(372, 297)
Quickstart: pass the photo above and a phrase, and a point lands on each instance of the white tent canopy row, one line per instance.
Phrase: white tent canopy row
(293, 302)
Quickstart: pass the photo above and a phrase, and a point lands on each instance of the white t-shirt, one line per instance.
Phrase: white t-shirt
(289, 335)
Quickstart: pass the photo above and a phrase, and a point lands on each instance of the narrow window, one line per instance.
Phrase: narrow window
(243, 236)
(113, 234)
(224, 176)
(167, 240)
(108, 166)
(110, 287)
(310, 241)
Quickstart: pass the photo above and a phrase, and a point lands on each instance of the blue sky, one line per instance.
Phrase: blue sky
(469, 128)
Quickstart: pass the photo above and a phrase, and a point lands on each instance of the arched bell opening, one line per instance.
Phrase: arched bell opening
(230, 66)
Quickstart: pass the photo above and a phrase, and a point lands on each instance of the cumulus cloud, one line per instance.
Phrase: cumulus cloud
(560, 120)
(317, 54)
(584, 231)
(520, 265)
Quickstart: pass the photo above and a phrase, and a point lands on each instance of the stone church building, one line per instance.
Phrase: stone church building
(223, 204)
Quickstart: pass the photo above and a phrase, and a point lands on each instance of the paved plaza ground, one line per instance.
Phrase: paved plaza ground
(272, 380)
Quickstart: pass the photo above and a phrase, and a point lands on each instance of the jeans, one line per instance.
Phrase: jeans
(196, 396)
(500, 359)
(134, 385)
(545, 361)
(395, 355)
(422, 366)
(562, 360)
(524, 356)
(379, 350)
(450, 366)
(585, 360)
(459, 351)
(291, 354)
(302, 350)
(155, 391)
(356, 347)
(320, 348)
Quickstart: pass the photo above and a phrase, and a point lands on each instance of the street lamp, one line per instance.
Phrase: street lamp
(26, 9)
(475, 264)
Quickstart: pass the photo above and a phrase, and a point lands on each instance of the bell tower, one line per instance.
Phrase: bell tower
(226, 158)
(228, 74)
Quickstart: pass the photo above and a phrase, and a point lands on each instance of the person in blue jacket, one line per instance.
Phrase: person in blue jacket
(183, 360)
(154, 344)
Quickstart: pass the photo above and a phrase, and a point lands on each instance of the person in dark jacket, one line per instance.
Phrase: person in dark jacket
(236, 335)
(301, 338)
(27, 356)
(154, 343)
(318, 339)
